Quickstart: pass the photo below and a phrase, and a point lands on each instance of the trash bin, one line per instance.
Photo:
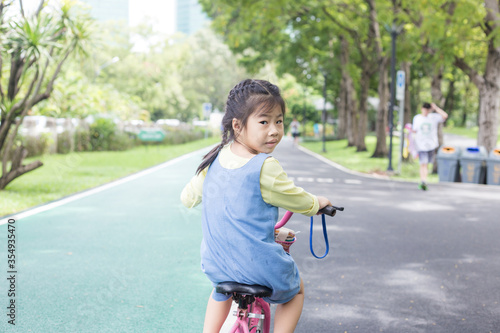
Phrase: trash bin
(473, 163)
(448, 166)
(493, 168)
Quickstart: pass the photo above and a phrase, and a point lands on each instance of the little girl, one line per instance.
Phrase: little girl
(241, 188)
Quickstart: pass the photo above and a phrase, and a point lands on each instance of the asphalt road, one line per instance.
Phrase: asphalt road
(126, 258)
(401, 259)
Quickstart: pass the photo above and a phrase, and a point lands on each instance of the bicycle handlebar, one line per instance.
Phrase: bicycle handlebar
(328, 210)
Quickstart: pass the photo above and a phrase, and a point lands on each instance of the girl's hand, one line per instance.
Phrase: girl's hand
(323, 202)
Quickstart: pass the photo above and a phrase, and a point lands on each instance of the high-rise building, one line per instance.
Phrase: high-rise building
(104, 10)
(190, 16)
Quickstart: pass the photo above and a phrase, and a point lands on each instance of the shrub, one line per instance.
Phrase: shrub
(82, 140)
(179, 136)
(101, 132)
(38, 144)
(65, 142)
(120, 141)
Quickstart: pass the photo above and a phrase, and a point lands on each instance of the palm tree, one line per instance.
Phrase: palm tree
(33, 50)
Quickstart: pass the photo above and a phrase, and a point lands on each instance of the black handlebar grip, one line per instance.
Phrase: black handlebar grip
(330, 210)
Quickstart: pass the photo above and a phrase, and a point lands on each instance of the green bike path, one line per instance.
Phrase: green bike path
(125, 259)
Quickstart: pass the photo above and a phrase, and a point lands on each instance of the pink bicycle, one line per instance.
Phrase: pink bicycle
(254, 314)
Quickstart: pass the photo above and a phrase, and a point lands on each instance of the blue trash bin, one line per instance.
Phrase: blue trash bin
(448, 164)
(473, 164)
(493, 168)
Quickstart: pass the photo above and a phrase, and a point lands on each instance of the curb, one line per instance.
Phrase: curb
(85, 193)
(349, 171)
(384, 178)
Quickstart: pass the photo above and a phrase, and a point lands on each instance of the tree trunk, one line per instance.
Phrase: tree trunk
(489, 95)
(17, 168)
(488, 84)
(490, 100)
(348, 94)
(352, 117)
(449, 104)
(381, 126)
(407, 117)
(436, 91)
(342, 112)
(383, 86)
(363, 114)
(438, 98)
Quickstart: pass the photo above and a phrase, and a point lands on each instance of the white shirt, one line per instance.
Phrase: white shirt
(426, 138)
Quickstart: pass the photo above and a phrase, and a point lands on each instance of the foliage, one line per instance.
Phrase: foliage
(121, 141)
(82, 140)
(339, 152)
(37, 145)
(298, 100)
(75, 96)
(65, 142)
(436, 38)
(33, 51)
(175, 76)
(102, 131)
(179, 136)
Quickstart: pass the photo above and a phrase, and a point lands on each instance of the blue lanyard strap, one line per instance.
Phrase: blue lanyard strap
(325, 234)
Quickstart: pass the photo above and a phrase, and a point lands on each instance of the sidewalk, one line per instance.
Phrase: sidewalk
(459, 141)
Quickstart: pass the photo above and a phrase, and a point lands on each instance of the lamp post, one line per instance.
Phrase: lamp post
(106, 64)
(394, 34)
(304, 113)
(324, 111)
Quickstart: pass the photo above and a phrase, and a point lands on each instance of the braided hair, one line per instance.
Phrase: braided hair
(245, 98)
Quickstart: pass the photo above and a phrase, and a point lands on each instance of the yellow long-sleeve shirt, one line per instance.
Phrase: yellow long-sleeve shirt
(275, 186)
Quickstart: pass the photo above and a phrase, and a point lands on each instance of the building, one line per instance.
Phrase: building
(190, 16)
(105, 10)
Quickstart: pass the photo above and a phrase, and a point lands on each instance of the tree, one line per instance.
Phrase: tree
(357, 20)
(465, 34)
(176, 75)
(488, 83)
(209, 72)
(293, 34)
(303, 37)
(33, 51)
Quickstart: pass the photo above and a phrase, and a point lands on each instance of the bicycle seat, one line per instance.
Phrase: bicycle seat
(245, 289)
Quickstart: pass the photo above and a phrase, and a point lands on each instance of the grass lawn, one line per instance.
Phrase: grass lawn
(338, 152)
(62, 175)
(467, 132)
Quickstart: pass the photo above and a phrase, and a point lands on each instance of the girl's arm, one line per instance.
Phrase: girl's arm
(192, 192)
(278, 190)
(323, 202)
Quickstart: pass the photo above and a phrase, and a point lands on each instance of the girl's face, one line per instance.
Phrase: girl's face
(262, 132)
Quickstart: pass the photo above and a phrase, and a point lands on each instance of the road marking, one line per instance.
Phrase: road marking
(98, 189)
(305, 179)
(312, 180)
(353, 181)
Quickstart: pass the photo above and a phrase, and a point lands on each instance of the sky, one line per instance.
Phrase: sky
(161, 13)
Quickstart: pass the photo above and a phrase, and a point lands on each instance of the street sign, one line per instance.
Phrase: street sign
(151, 135)
(207, 108)
(400, 96)
(400, 85)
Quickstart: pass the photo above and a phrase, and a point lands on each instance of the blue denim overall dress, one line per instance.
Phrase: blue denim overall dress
(238, 233)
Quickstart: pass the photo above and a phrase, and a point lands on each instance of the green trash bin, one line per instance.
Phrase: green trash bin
(473, 164)
(448, 165)
(493, 168)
